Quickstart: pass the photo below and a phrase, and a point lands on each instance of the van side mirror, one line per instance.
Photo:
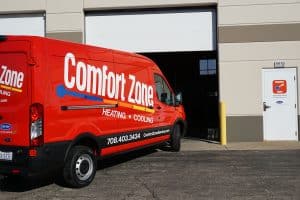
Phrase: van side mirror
(178, 99)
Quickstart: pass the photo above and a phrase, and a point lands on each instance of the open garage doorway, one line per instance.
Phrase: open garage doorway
(182, 41)
(195, 75)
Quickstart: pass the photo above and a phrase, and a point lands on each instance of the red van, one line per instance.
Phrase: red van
(64, 105)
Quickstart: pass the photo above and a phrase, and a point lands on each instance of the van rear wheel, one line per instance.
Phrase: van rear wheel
(80, 168)
(175, 142)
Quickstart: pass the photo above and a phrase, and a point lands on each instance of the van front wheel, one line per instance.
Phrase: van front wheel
(175, 142)
(80, 167)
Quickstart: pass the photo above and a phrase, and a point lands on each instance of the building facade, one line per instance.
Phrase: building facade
(230, 45)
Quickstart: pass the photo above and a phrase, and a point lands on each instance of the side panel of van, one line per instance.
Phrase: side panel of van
(138, 84)
(140, 123)
(74, 89)
(112, 92)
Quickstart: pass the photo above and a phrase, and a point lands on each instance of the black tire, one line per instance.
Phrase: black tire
(80, 167)
(175, 142)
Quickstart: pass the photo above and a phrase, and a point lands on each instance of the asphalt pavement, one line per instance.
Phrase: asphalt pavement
(203, 171)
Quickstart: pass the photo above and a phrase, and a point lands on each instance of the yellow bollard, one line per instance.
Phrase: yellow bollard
(223, 123)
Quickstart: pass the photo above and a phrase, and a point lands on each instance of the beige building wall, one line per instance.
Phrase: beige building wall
(65, 19)
(252, 35)
(24, 6)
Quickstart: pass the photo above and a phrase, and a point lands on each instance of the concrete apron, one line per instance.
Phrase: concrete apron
(201, 145)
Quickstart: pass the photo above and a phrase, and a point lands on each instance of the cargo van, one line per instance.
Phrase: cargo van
(64, 105)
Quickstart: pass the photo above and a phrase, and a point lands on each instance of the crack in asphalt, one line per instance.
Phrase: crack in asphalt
(151, 191)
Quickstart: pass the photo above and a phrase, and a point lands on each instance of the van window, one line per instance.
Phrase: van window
(163, 92)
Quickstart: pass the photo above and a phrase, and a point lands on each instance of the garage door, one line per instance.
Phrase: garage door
(153, 31)
(22, 25)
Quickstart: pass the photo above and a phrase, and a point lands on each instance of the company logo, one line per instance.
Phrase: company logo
(11, 80)
(279, 87)
(93, 83)
(279, 102)
(5, 127)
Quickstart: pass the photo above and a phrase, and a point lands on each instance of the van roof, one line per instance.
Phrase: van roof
(39, 39)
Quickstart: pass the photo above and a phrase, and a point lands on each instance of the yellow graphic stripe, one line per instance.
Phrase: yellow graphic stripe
(110, 101)
(150, 110)
(140, 108)
(128, 105)
(10, 88)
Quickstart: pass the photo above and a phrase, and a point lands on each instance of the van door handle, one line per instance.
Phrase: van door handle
(266, 106)
(158, 107)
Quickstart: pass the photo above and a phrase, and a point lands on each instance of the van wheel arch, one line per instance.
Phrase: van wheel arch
(84, 139)
(183, 126)
(175, 138)
(178, 131)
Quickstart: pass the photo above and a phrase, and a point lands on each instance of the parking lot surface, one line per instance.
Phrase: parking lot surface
(163, 175)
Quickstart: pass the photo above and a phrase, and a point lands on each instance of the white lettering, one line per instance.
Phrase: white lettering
(130, 99)
(113, 113)
(69, 83)
(123, 88)
(111, 85)
(5, 93)
(81, 76)
(140, 93)
(7, 78)
(94, 75)
(2, 74)
(123, 138)
(142, 118)
(14, 78)
(118, 81)
(20, 80)
(11, 78)
(150, 96)
(155, 133)
(104, 69)
(101, 81)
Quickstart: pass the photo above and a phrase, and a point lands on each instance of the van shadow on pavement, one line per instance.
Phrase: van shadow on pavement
(21, 184)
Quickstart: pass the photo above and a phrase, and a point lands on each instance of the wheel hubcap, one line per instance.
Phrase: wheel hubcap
(84, 167)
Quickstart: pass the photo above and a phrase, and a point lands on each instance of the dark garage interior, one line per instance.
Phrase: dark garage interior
(195, 75)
